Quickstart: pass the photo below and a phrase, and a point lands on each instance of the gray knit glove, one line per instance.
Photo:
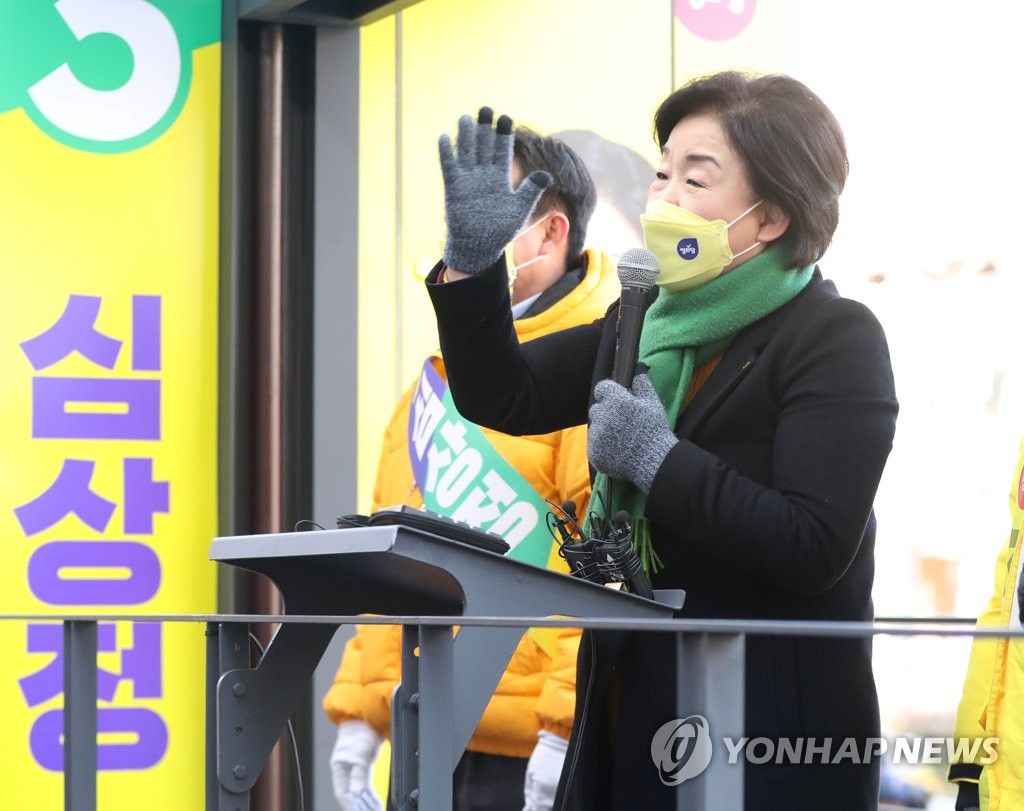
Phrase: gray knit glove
(629, 435)
(482, 210)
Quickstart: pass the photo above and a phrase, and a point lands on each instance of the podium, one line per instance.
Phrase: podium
(389, 570)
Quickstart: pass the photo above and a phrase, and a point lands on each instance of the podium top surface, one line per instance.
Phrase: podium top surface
(403, 571)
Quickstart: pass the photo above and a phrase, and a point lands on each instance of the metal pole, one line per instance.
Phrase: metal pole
(710, 683)
(80, 725)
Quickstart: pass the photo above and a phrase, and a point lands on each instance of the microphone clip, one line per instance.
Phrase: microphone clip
(605, 557)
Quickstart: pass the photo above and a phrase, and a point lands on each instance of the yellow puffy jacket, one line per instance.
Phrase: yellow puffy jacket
(992, 705)
(536, 689)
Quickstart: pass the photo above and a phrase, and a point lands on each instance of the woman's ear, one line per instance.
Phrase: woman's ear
(773, 222)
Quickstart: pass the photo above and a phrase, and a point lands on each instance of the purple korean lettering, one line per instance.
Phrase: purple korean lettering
(73, 332)
(146, 322)
(141, 664)
(69, 494)
(48, 682)
(57, 411)
(143, 496)
(51, 563)
(145, 726)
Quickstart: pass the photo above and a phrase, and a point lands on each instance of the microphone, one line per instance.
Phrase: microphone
(638, 271)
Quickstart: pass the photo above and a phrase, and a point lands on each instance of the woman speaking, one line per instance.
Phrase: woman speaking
(747, 450)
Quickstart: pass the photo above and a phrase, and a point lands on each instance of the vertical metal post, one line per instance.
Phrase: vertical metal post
(227, 648)
(268, 368)
(422, 720)
(80, 724)
(405, 726)
(213, 671)
(437, 710)
(269, 238)
(710, 674)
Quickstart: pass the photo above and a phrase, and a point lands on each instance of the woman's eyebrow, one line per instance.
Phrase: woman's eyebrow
(693, 157)
(701, 157)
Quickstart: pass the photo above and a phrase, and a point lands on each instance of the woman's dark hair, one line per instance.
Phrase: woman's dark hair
(572, 191)
(791, 144)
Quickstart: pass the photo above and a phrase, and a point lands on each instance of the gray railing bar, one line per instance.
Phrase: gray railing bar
(755, 627)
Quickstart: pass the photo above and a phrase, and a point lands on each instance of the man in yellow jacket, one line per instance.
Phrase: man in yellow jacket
(516, 752)
(992, 705)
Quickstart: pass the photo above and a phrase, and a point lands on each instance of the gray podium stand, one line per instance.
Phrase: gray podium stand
(392, 571)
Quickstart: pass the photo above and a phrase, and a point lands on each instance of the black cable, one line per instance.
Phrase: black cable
(291, 732)
(604, 505)
(302, 521)
(353, 520)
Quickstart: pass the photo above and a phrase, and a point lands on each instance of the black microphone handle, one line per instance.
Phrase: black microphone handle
(639, 585)
(632, 306)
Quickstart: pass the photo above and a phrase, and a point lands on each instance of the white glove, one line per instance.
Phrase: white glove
(543, 771)
(354, 752)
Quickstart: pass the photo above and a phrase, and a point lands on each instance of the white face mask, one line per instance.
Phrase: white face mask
(510, 261)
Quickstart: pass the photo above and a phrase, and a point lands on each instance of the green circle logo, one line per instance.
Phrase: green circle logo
(102, 75)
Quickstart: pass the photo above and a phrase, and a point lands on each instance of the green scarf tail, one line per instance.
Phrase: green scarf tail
(681, 331)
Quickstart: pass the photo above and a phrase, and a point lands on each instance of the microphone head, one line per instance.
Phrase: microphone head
(638, 267)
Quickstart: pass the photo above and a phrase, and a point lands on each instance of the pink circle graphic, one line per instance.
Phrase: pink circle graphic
(715, 19)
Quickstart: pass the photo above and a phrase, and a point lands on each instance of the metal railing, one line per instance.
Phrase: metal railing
(709, 652)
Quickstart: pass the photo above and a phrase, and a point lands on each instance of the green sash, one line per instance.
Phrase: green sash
(461, 475)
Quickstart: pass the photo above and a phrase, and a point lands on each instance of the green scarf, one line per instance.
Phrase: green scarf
(683, 330)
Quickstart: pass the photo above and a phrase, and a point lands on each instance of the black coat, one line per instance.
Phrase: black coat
(763, 510)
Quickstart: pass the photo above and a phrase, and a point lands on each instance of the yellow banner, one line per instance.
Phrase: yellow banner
(109, 145)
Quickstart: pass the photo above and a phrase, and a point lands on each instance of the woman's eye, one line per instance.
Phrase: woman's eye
(660, 176)
(690, 181)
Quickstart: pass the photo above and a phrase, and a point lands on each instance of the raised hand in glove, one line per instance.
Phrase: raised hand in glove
(543, 772)
(354, 752)
(482, 210)
(629, 435)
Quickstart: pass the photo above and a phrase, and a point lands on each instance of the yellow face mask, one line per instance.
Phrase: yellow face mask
(690, 249)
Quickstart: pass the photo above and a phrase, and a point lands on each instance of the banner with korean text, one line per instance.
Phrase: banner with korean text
(109, 148)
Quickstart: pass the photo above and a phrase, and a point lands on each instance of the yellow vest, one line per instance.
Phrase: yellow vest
(993, 698)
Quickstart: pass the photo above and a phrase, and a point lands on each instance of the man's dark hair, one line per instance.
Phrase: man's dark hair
(572, 191)
(790, 142)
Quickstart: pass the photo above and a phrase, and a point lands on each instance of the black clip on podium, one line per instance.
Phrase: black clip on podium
(389, 570)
